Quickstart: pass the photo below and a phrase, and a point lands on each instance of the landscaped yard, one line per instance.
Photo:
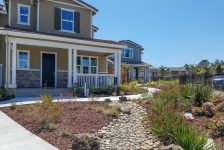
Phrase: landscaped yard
(57, 123)
(186, 115)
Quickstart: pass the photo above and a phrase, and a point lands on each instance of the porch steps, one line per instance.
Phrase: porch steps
(33, 92)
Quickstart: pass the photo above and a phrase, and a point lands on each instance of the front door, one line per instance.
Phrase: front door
(48, 70)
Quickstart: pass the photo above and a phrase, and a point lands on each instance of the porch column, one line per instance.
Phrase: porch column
(69, 68)
(117, 66)
(13, 65)
(75, 80)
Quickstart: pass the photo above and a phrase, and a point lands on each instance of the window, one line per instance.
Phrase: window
(67, 20)
(127, 53)
(87, 65)
(23, 60)
(23, 14)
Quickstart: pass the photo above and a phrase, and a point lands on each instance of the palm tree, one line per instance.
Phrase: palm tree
(163, 72)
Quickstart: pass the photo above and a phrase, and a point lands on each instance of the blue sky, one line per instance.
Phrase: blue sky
(173, 32)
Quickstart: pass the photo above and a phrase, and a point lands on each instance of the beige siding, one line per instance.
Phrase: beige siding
(35, 56)
(14, 14)
(47, 18)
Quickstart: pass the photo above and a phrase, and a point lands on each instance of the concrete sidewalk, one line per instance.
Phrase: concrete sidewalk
(33, 100)
(15, 137)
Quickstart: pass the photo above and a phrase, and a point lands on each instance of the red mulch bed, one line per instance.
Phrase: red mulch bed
(76, 119)
(200, 123)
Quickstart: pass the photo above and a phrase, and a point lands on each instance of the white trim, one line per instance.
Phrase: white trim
(41, 69)
(75, 78)
(86, 6)
(28, 69)
(28, 15)
(72, 21)
(10, 9)
(43, 43)
(38, 15)
(90, 66)
(70, 41)
(54, 1)
(130, 54)
(14, 48)
(62, 71)
(28, 61)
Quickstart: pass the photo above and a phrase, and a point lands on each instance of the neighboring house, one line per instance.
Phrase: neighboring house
(175, 72)
(153, 73)
(132, 56)
(50, 43)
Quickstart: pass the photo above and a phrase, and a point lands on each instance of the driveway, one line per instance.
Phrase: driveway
(15, 137)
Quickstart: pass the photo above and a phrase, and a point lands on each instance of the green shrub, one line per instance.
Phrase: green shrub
(46, 112)
(52, 126)
(187, 91)
(201, 95)
(188, 138)
(77, 91)
(13, 106)
(131, 88)
(152, 83)
(2, 94)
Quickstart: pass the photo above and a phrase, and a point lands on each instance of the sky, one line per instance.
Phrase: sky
(173, 32)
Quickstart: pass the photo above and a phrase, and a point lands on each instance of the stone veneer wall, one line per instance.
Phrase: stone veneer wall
(62, 79)
(28, 79)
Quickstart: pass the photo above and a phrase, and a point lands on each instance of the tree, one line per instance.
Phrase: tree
(163, 71)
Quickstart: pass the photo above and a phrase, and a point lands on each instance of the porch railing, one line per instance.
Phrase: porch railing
(97, 80)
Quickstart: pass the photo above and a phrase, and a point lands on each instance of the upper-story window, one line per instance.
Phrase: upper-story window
(127, 53)
(67, 20)
(23, 14)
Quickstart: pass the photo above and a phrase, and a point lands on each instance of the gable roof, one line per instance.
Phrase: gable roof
(133, 43)
(92, 8)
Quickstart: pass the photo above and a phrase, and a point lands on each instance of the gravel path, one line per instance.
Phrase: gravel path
(128, 131)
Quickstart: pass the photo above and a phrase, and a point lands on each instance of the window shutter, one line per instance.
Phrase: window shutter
(57, 19)
(77, 22)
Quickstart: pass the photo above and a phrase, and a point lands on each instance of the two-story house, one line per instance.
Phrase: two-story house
(132, 56)
(50, 43)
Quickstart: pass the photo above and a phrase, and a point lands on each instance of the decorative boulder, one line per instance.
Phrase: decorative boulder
(172, 147)
(123, 99)
(126, 110)
(85, 142)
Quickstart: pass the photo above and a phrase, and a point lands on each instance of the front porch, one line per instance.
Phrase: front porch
(38, 63)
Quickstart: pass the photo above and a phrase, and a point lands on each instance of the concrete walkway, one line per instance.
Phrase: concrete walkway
(15, 137)
(33, 100)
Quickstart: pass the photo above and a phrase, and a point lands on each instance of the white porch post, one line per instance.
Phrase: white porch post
(69, 68)
(75, 80)
(13, 65)
(117, 66)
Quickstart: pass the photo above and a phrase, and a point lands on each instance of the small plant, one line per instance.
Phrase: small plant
(219, 130)
(77, 91)
(13, 106)
(93, 98)
(107, 102)
(65, 133)
(187, 91)
(201, 94)
(52, 126)
(188, 138)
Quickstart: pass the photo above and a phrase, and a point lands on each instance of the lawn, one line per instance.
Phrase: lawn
(57, 123)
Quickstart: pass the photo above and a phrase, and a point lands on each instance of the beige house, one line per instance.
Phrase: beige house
(50, 43)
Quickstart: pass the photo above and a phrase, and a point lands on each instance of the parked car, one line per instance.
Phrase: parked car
(218, 81)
